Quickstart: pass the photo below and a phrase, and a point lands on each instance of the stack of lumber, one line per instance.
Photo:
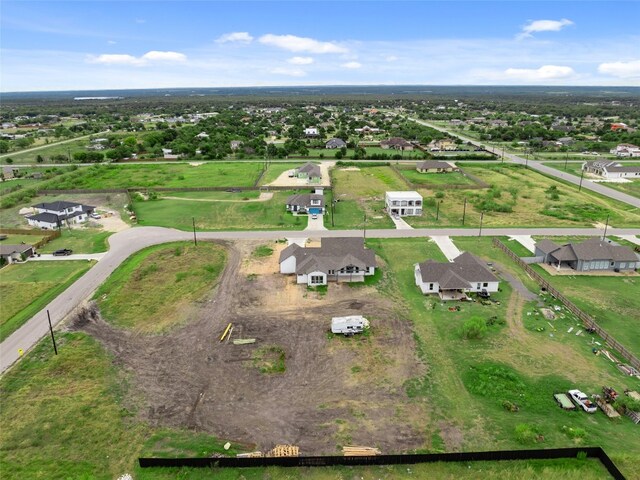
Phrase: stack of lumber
(358, 451)
(244, 341)
(609, 356)
(250, 455)
(628, 370)
(608, 410)
(284, 451)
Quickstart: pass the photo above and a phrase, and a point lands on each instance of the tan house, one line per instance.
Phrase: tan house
(435, 166)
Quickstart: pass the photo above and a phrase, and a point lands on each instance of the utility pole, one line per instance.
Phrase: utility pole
(195, 240)
(53, 339)
(364, 232)
(438, 210)
(605, 229)
(481, 218)
(581, 177)
(464, 210)
(333, 207)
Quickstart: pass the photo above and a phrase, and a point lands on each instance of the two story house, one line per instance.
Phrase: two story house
(403, 204)
(56, 214)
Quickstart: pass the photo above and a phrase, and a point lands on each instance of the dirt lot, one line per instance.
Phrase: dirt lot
(335, 390)
(284, 180)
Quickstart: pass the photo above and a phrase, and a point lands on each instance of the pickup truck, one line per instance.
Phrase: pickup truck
(582, 401)
(62, 252)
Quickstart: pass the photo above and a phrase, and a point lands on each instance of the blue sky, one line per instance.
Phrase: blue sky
(53, 45)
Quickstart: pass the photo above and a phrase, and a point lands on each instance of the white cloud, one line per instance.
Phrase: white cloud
(301, 44)
(289, 72)
(240, 37)
(111, 42)
(351, 65)
(391, 58)
(629, 69)
(546, 72)
(543, 26)
(154, 56)
(300, 60)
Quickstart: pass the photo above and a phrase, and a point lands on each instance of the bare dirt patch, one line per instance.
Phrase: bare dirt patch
(263, 197)
(334, 390)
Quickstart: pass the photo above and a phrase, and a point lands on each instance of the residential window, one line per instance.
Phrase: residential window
(478, 287)
(431, 286)
(485, 284)
(317, 279)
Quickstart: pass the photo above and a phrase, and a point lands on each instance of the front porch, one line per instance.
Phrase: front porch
(450, 295)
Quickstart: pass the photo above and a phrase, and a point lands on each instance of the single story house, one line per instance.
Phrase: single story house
(55, 214)
(311, 132)
(303, 203)
(367, 130)
(15, 253)
(446, 144)
(336, 259)
(202, 135)
(310, 171)
(335, 143)
(435, 166)
(626, 150)
(9, 172)
(611, 169)
(235, 144)
(403, 204)
(592, 254)
(453, 280)
(396, 143)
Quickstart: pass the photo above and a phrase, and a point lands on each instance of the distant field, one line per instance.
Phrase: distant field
(66, 149)
(26, 288)
(426, 179)
(219, 215)
(212, 174)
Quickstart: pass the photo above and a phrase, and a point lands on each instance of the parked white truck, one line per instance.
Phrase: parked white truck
(349, 325)
(582, 401)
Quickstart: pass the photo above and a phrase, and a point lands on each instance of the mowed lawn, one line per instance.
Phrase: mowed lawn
(213, 211)
(90, 240)
(435, 179)
(27, 288)
(152, 290)
(210, 174)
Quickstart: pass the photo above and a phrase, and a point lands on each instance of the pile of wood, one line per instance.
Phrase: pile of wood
(628, 370)
(608, 410)
(358, 451)
(250, 455)
(284, 451)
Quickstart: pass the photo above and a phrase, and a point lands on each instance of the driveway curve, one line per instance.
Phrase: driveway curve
(125, 243)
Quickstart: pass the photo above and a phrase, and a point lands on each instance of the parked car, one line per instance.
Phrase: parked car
(62, 252)
(582, 401)
(314, 216)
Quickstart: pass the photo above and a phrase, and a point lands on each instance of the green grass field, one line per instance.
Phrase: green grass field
(20, 182)
(15, 239)
(275, 169)
(65, 149)
(211, 174)
(172, 276)
(219, 215)
(428, 179)
(632, 187)
(27, 288)
(91, 240)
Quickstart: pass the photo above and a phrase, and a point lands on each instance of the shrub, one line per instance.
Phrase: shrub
(439, 194)
(574, 432)
(528, 434)
(475, 327)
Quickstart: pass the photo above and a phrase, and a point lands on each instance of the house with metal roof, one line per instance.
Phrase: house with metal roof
(453, 280)
(592, 254)
(336, 259)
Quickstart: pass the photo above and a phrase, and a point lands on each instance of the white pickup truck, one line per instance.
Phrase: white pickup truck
(582, 401)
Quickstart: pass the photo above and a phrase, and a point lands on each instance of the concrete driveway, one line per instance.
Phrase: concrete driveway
(80, 256)
(316, 223)
(526, 241)
(446, 246)
(400, 223)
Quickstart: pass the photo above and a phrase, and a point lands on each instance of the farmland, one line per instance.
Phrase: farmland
(27, 288)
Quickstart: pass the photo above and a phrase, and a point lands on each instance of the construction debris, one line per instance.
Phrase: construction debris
(633, 394)
(250, 455)
(226, 331)
(608, 410)
(284, 451)
(244, 341)
(358, 451)
(628, 370)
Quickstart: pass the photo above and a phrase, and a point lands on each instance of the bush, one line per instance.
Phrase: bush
(475, 327)
(574, 432)
(527, 434)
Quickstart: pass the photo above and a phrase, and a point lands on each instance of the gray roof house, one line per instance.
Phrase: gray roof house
(592, 254)
(611, 169)
(311, 171)
(335, 143)
(430, 166)
(306, 203)
(338, 259)
(452, 280)
(55, 214)
(14, 253)
(396, 143)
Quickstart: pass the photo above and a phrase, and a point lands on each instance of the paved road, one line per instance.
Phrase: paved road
(535, 165)
(78, 256)
(127, 242)
(47, 145)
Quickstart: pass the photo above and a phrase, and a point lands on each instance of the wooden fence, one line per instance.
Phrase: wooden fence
(183, 189)
(478, 183)
(587, 320)
(47, 237)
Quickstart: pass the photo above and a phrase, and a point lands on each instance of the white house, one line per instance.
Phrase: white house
(626, 150)
(337, 259)
(403, 204)
(55, 214)
(611, 169)
(311, 132)
(452, 280)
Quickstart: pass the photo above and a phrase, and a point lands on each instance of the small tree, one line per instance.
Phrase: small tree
(39, 159)
(474, 328)
(9, 160)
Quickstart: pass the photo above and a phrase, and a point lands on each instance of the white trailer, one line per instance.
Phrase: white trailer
(349, 325)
